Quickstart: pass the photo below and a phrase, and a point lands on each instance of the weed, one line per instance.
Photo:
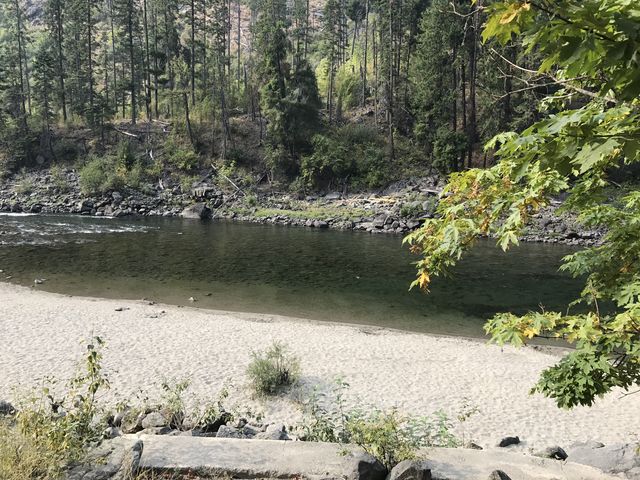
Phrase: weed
(273, 369)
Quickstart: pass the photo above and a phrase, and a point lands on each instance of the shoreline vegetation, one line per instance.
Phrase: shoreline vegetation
(399, 208)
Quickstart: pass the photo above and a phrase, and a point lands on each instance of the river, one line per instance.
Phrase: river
(326, 275)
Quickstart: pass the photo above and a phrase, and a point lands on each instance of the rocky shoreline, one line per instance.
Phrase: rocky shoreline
(398, 209)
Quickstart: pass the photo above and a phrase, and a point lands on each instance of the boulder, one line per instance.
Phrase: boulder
(508, 441)
(499, 475)
(234, 458)
(410, 470)
(6, 408)
(614, 458)
(154, 419)
(115, 459)
(197, 211)
(225, 431)
(555, 452)
(320, 224)
(275, 431)
(132, 422)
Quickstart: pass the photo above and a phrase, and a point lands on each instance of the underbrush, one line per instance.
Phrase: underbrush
(388, 435)
(48, 433)
(273, 369)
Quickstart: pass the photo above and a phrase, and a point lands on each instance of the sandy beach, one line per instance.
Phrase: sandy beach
(42, 334)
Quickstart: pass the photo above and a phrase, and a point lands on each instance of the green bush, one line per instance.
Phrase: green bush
(47, 434)
(273, 369)
(387, 435)
(99, 175)
(58, 178)
(181, 155)
(353, 154)
(448, 149)
(25, 185)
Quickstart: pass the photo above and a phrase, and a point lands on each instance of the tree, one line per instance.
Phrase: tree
(55, 27)
(589, 50)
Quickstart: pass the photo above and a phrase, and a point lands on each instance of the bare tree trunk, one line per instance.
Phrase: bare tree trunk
(187, 120)
(366, 52)
(90, 52)
(192, 61)
(147, 74)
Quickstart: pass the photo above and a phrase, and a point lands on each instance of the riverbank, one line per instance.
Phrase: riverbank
(397, 209)
(43, 335)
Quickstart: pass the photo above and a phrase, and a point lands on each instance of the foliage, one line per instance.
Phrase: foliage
(387, 435)
(48, 434)
(98, 175)
(349, 154)
(448, 148)
(59, 178)
(173, 402)
(25, 184)
(273, 369)
(590, 50)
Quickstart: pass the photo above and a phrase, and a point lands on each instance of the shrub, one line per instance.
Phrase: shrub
(25, 185)
(92, 176)
(387, 435)
(251, 200)
(350, 154)
(47, 434)
(173, 404)
(273, 369)
(180, 155)
(448, 148)
(58, 178)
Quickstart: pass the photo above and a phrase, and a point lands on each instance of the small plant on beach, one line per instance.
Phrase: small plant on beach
(387, 435)
(173, 401)
(325, 415)
(467, 410)
(384, 435)
(273, 369)
(47, 434)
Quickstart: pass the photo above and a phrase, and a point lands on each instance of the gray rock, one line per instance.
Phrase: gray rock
(156, 431)
(615, 458)
(555, 452)
(132, 422)
(225, 431)
(115, 459)
(320, 224)
(111, 432)
(410, 470)
(508, 441)
(499, 475)
(198, 210)
(333, 196)
(117, 198)
(117, 419)
(228, 457)
(275, 431)
(6, 408)
(154, 419)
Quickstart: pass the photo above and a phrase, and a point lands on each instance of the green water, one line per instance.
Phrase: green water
(326, 275)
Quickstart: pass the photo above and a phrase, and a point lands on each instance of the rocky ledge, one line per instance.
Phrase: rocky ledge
(398, 209)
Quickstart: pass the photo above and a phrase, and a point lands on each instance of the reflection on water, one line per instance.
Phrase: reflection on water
(319, 274)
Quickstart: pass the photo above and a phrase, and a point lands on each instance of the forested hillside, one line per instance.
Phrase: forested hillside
(315, 95)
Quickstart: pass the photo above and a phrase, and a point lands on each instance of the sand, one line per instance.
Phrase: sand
(43, 334)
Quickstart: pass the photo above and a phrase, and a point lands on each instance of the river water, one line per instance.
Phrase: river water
(318, 274)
